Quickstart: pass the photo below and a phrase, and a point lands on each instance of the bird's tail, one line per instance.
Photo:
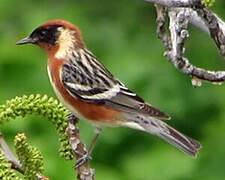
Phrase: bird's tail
(169, 134)
(180, 141)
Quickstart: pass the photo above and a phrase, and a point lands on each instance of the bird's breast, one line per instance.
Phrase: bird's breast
(86, 110)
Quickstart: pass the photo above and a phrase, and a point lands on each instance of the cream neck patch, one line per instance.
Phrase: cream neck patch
(66, 43)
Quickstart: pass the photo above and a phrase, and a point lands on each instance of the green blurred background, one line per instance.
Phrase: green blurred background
(122, 34)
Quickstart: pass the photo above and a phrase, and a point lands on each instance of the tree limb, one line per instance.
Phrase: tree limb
(172, 3)
(215, 25)
(79, 149)
(193, 11)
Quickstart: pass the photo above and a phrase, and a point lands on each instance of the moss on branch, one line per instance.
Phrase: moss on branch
(208, 3)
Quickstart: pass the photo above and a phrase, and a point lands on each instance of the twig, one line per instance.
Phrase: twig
(161, 27)
(216, 26)
(9, 155)
(180, 17)
(79, 149)
(172, 3)
(201, 17)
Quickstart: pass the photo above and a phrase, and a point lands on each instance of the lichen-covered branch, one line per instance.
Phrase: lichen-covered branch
(172, 3)
(215, 25)
(181, 13)
(179, 33)
(181, 3)
(201, 17)
(84, 172)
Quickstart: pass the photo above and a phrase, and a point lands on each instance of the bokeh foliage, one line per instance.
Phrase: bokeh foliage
(123, 35)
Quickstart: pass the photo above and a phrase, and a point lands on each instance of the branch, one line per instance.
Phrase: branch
(201, 17)
(79, 149)
(180, 3)
(178, 27)
(196, 20)
(172, 3)
(215, 25)
(15, 164)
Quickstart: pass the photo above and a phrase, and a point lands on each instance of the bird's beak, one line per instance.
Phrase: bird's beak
(26, 40)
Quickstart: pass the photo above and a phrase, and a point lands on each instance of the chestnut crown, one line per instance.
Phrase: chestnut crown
(49, 33)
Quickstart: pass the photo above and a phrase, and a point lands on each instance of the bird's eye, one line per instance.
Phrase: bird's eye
(42, 34)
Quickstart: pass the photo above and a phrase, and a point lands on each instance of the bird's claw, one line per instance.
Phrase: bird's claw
(85, 158)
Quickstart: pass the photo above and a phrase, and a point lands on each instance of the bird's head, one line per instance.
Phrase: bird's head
(55, 37)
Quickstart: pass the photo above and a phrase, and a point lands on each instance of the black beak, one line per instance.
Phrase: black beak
(27, 40)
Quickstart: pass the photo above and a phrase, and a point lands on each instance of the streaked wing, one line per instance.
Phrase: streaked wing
(85, 77)
(130, 102)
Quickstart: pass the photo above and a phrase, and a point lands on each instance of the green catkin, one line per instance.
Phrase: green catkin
(6, 172)
(42, 106)
(29, 156)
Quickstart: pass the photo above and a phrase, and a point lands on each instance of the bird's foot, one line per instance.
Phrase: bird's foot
(82, 160)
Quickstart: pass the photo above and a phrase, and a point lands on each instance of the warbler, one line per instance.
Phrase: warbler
(85, 86)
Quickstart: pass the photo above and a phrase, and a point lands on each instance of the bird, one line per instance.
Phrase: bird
(87, 88)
